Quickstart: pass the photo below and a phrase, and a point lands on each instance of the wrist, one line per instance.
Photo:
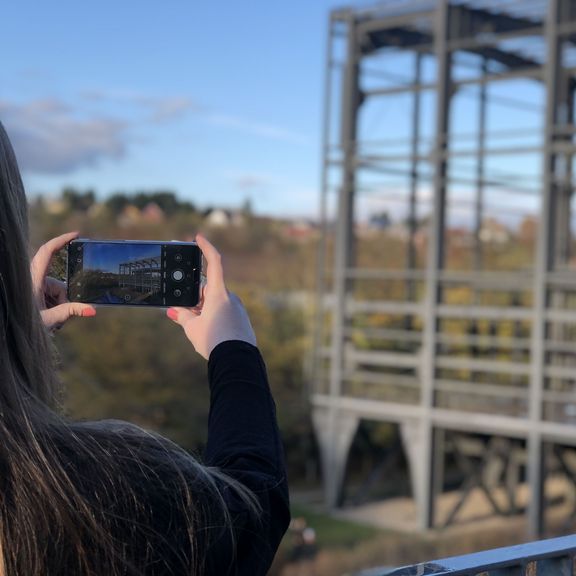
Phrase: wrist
(230, 344)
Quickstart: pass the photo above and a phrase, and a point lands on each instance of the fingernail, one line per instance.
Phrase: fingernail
(88, 312)
(172, 314)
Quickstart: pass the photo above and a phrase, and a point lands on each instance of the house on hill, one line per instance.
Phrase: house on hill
(221, 218)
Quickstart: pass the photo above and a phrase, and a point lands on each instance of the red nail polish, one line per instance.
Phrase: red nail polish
(172, 314)
(88, 312)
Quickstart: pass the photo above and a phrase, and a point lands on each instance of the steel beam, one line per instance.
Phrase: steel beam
(522, 74)
(321, 287)
(488, 366)
(480, 170)
(344, 225)
(344, 241)
(541, 268)
(435, 257)
(449, 419)
(481, 389)
(384, 358)
(414, 182)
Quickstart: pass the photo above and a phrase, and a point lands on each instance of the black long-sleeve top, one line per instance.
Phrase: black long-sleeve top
(244, 442)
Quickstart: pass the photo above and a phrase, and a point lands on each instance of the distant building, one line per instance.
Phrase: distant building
(494, 232)
(220, 218)
(96, 210)
(56, 206)
(528, 229)
(130, 216)
(460, 237)
(153, 213)
(302, 230)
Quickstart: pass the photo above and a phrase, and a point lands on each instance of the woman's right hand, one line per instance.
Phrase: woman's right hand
(220, 316)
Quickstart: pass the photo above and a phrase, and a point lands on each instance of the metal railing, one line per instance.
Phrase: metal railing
(555, 557)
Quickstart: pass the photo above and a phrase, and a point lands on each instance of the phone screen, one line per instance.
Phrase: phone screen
(134, 273)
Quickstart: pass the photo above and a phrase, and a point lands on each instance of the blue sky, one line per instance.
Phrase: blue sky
(107, 257)
(219, 101)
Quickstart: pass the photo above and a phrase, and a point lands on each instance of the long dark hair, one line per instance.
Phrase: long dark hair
(83, 498)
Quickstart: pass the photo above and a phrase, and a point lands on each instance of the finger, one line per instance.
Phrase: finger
(59, 314)
(214, 271)
(182, 316)
(42, 259)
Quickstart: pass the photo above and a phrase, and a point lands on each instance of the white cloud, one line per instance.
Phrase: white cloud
(49, 137)
(158, 108)
(53, 137)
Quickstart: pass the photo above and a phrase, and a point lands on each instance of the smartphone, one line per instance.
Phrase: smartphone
(134, 272)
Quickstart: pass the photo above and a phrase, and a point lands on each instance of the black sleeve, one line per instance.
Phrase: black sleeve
(244, 442)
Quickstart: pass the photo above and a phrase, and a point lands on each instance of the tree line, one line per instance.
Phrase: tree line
(136, 365)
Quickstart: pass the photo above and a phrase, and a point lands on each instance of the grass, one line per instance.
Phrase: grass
(333, 532)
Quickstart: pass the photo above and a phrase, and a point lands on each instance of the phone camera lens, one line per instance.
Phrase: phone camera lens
(177, 293)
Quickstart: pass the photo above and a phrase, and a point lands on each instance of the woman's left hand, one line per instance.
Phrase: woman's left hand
(51, 293)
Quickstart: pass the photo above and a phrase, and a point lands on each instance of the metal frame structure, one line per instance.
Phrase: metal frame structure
(143, 275)
(400, 343)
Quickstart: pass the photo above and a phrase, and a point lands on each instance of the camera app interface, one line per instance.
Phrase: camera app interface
(117, 273)
(134, 273)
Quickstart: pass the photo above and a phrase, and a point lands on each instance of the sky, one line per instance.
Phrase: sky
(218, 101)
(107, 257)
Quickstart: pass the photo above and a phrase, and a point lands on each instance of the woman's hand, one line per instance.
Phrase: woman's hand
(51, 293)
(219, 316)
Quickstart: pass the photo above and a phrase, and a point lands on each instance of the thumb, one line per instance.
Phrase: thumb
(59, 314)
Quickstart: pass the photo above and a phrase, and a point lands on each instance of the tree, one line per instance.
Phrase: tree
(117, 202)
(78, 201)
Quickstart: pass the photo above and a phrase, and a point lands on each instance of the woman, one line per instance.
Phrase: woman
(108, 498)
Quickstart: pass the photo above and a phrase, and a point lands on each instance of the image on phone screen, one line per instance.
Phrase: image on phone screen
(133, 273)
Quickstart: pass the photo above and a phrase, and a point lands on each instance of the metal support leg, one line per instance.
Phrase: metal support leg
(413, 438)
(335, 432)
